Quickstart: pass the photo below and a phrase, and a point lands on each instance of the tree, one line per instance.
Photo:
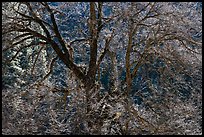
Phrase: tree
(152, 49)
(158, 28)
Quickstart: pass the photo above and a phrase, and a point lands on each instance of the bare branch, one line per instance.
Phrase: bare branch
(20, 49)
(51, 69)
(56, 30)
(36, 59)
(14, 44)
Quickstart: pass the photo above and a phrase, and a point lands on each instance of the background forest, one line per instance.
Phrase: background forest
(113, 68)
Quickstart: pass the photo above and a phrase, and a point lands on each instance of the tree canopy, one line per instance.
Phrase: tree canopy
(101, 67)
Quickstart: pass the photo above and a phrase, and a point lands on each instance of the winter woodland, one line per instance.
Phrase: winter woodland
(102, 68)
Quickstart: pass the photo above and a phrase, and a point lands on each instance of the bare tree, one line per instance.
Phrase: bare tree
(144, 40)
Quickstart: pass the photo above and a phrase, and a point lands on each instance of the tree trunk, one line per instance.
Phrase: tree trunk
(128, 80)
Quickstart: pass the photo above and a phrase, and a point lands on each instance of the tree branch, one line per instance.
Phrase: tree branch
(36, 59)
(51, 69)
(14, 44)
(56, 30)
(19, 50)
(93, 43)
